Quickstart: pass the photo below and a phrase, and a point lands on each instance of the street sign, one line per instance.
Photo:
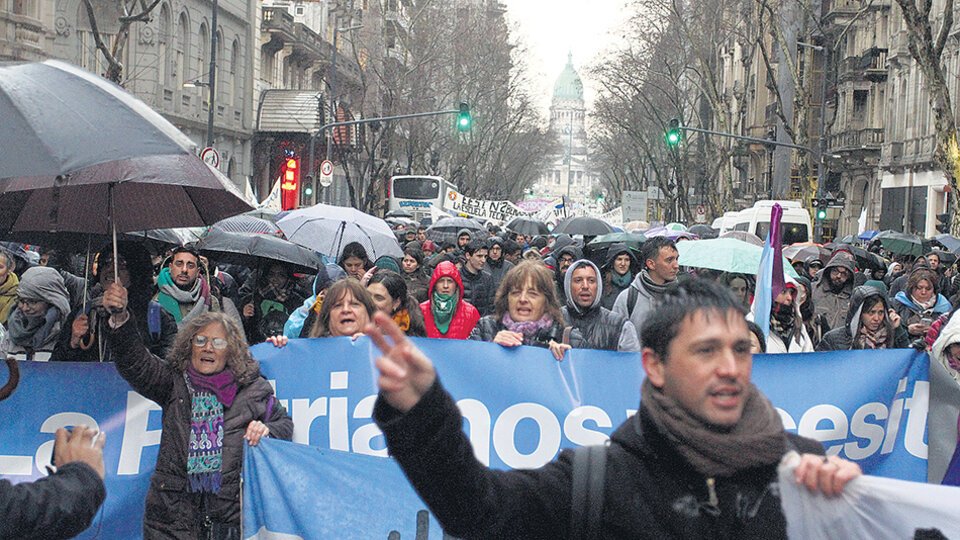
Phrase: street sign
(210, 156)
(654, 193)
(634, 205)
(701, 214)
(326, 173)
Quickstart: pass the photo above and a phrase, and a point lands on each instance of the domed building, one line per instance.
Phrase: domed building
(569, 173)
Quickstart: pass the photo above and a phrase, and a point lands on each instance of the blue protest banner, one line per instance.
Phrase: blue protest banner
(521, 407)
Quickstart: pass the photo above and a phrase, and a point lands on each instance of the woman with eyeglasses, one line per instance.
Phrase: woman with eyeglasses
(214, 400)
(38, 317)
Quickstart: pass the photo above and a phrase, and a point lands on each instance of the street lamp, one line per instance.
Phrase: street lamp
(821, 144)
(212, 78)
(197, 83)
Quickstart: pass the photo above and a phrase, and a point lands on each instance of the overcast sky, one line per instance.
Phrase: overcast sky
(552, 28)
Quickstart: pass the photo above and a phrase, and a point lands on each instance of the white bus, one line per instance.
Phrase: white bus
(416, 194)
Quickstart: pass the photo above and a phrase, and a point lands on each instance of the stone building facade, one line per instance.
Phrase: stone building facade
(569, 174)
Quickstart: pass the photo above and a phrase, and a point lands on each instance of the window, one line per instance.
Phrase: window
(163, 45)
(859, 114)
(179, 72)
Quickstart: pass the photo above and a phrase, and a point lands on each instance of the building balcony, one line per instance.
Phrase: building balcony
(871, 66)
(856, 140)
(277, 20)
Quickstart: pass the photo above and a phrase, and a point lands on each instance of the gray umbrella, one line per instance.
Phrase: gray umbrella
(587, 226)
(59, 118)
(258, 250)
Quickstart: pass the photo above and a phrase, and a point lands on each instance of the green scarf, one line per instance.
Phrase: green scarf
(622, 282)
(443, 307)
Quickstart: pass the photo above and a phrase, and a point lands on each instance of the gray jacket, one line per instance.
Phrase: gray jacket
(834, 305)
(599, 328)
(646, 301)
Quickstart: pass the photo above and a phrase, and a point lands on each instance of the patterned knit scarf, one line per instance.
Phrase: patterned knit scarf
(204, 461)
(872, 340)
(529, 329)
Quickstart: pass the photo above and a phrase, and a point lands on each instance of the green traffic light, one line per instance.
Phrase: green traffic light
(464, 120)
(308, 191)
(821, 214)
(673, 138)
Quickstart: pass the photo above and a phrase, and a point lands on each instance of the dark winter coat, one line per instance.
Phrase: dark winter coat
(171, 510)
(158, 345)
(489, 326)
(833, 305)
(597, 327)
(417, 283)
(844, 338)
(61, 505)
(466, 316)
(650, 490)
(478, 289)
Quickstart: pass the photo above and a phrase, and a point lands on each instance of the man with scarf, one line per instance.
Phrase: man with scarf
(831, 293)
(598, 327)
(660, 267)
(698, 460)
(34, 325)
(185, 293)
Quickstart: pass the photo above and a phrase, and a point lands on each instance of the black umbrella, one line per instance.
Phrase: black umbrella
(255, 250)
(399, 214)
(526, 226)
(446, 229)
(587, 226)
(705, 232)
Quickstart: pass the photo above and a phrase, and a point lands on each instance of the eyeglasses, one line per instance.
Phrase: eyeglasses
(28, 301)
(201, 341)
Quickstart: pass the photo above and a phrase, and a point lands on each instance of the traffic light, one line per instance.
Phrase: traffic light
(673, 132)
(464, 121)
(943, 223)
(821, 206)
(289, 182)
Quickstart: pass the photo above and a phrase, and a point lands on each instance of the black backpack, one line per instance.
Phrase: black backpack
(586, 501)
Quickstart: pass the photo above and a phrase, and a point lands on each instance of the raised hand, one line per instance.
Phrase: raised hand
(82, 443)
(405, 373)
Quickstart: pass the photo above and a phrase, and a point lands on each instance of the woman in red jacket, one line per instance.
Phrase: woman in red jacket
(446, 313)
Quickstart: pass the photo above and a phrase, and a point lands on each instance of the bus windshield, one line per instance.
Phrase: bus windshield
(416, 188)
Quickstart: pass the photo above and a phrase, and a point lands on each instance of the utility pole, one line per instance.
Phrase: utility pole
(822, 143)
(212, 78)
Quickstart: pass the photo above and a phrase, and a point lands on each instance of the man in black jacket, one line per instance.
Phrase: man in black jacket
(698, 460)
(478, 287)
(598, 327)
(63, 504)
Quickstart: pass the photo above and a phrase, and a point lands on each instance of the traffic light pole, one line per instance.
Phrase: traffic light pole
(765, 142)
(325, 127)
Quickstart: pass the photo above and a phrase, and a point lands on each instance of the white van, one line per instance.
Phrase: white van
(795, 224)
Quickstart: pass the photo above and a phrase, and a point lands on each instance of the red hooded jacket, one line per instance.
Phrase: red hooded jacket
(466, 316)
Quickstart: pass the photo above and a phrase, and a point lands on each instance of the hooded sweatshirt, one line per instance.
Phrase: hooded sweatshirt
(597, 327)
(464, 318)
(834, 303)
(617, 283)
(577, 254)
(499, 268)
(847, 336)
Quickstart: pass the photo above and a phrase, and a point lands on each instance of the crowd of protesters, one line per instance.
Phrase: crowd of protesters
(178, 326)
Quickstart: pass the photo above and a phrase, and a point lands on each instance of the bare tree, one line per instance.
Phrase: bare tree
(132, 11)
(926, 47)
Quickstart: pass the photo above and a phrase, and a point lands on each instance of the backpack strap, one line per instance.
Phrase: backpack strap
(632, 295)
(586, 502)
(153, 319)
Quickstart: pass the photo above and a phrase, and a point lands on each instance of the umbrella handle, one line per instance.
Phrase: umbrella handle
(89, 342)
(13, 381)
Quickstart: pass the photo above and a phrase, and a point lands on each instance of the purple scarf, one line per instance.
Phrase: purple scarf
(529, 329)
(209, 394)
(222, 384)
